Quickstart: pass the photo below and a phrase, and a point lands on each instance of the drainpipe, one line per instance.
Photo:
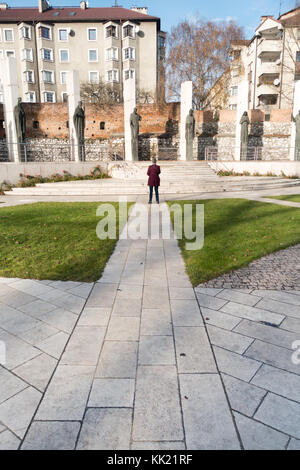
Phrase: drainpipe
(281, 72)
(37, 62)
(255, 71)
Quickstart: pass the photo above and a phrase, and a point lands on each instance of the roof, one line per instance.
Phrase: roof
(64, 14)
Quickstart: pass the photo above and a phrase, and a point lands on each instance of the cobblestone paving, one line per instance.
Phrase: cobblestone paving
(279, 270)
(140, 360)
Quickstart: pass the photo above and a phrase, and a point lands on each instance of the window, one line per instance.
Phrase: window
(26, 32)
(64, 97)
(234, 91)
(49, 97)
(129, 74)
(129, 53)
(28, 76)
(63, 78)
(93, 77)
(92, 34)
(235, 72)
(10, 53)
(298, 56)
(111, 31)
(8, 35)
(47, 76)
(27, 54)
(47, 54)
(93, 55)
(112, 76)
(62, 34)
(112, 54)
(128, 31)
(30, 97)
(45, 32)
(233, 107)
(64, 55)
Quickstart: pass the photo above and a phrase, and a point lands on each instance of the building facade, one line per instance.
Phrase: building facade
(104, 44)
(269, 62)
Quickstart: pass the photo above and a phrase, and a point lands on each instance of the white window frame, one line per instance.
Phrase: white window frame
(10, 50)
(88, 34)
(52, 93)
(130, 71)
(93, 71)
(51, 54)
(233, 107)
(117, 80)
(47, 27)
(61, 80)
(128, 58)
(25, 74)
(30, 32)
(97, 56)
(235, 88)
(59, 54)
(46, 81)
(107, 58)
(62, 96)
(28, 94)
(58, 35)
(111, 23)
(128, 23)
(13, 34)
(24, 56)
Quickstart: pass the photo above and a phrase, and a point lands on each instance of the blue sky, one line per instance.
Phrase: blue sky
(246, 13)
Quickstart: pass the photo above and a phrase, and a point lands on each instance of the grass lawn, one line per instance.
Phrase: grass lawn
(53, 241)
(291, 197)
(238, 231)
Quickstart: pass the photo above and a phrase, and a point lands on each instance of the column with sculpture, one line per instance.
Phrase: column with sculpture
(135, 119)
(190, 134)
(79, 124)
(20, 123)
(244, 122)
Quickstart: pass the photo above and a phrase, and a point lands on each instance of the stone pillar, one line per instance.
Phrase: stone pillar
(296, 109)
(9, 79)
(129, 93)
(185, 106)
(73, 90)
(242, 106)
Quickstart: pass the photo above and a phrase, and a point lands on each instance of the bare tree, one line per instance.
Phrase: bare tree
(199, 51)
(145, 97)
(100, 93)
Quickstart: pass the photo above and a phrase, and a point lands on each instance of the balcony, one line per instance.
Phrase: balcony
(268, 67)
(268, 79)
(267, 99)
(269, 50)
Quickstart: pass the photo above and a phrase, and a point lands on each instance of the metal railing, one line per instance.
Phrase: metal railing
(214, 153)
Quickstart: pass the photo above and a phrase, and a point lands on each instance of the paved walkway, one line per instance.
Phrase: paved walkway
(140, 360)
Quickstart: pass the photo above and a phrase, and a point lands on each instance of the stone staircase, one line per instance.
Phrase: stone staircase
(176, 178)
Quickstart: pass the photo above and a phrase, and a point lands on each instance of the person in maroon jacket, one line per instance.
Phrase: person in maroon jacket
(154, 180)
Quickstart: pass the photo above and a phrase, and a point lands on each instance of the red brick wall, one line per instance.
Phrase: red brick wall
(52, 119)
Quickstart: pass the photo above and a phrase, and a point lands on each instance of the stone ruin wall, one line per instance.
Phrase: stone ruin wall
(48, 133)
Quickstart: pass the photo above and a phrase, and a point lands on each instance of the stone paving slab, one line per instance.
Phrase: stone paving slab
(51, 435)
(205, 426)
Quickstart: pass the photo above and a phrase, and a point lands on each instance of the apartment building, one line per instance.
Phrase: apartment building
(109, 44)
(270, 62)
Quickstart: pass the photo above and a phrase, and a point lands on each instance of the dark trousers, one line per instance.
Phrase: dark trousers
(151, 193)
